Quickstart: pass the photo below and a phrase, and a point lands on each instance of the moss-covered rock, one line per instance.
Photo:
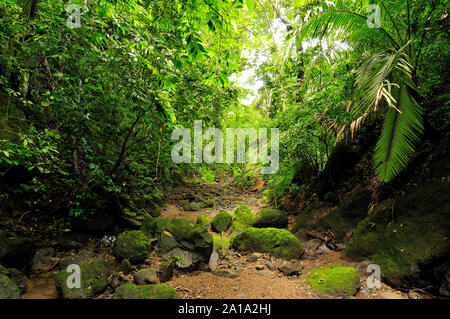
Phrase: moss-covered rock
(269, 217)
(413, 248)
(192, 206)
(173, 232)
(243, 218)
(131, 291)
(203, 220)
(221, 242)
(369, 232)
(132, 245)
(334, 281)
(221, 221)
(94, 279)
(277, 242)
(8, 289)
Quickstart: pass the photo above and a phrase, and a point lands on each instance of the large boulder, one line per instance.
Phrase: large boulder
(16, 252)
(8, 289)
(269, 217)
(277, 242)
(146, 276)
(192, 240)
(133, 245)
(334, 281)
(221, 221)
(408, 239)
(243, 218)
(94, 279)
(131, 291)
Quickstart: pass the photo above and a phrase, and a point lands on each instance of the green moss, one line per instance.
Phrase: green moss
(184, 234)
(221, 242)
(8, 289)
(191, 206)
(133, 245)
(369, 232)
(334, 281)
(277, 242)
(203, 220)
(268, 217)
(305, 219)
(131, 291)
(418, 235)
(221, 221)
(243, 218)
(94, 279)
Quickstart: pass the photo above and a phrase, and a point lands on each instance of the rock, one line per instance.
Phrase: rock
(146, 276)
(185, 260)
(334, 281)
(242, 294)
(259, 267)
(16, 252)
(221, 221)
(311, 247)
(8, 289)
(166, 269)
(118, 280)
(203, 220)
(18, 278)
(221, 242)
(174, 233)
(125, 266)
(290, 268)
(415, 237)
(191, 206)
(213, 260)
(254, 257)
(83, 256)
(276, 242)
(271, 266)
(43, 259)
(94, 279)
(269, 217)
(65, 242)
(243, 218)
(413, 295)
(225, 273)
(264, 273)
(131, 291)
(204, 267)
(132, 245)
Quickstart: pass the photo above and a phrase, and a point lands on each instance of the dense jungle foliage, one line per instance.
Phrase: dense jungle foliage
(87, 112)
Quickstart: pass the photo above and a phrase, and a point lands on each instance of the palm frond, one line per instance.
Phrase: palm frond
(401, 129)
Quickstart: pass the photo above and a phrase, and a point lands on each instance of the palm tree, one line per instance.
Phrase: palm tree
(385, 78)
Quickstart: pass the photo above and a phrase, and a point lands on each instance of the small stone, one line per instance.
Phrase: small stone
(413, 295)
(146, 276)
(290, 268)
(254, 257)
(242, 294)
(259, 267)
(225, 273)
(264, 273)
(270, 265)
